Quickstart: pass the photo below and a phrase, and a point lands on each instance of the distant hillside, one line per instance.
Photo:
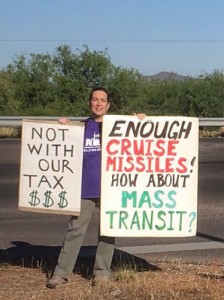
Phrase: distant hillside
(162, 76)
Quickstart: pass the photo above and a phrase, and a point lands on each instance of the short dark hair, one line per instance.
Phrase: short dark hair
(99, 88)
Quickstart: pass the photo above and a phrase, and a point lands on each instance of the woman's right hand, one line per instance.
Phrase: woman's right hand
(63, 121)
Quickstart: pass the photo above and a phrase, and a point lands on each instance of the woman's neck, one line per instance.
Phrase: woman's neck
(98, 118)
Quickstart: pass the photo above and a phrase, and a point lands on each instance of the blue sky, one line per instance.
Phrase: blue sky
(182, 36)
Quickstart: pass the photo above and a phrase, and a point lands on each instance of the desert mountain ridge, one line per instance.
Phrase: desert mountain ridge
(162, 76)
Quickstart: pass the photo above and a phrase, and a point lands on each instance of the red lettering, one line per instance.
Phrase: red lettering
(140, 162)
(171, 147)
(129, 160)
(109, 146)
(138, 147)
(125, 146)
(181, 163)
(120, 167)
(160, 146)
(157, 165)
(168, 163)
(111, 162)
(149, 145)
(149, 169)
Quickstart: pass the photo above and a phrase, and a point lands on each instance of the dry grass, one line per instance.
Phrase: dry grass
(219, 132)
(10, 132)
(174, 280)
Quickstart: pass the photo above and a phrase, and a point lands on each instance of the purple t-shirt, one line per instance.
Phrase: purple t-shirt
(91, 171)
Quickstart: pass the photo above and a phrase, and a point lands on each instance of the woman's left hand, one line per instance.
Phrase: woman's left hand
(140, 116)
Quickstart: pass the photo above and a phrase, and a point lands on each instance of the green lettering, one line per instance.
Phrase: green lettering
(126, 196)
(145, 198)
(171, 220)
(173, 201)
(123, 217)
(135, 221)
(146, 220)
(111, 214)
(160, 214)
(156, 195)
(181, 218)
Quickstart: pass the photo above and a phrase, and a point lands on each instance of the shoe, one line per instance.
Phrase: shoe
(56, 281)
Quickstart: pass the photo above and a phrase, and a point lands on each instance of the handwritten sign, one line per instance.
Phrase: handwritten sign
(51, 167)
(149, 176)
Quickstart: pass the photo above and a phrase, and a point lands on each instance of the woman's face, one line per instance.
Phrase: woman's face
(99, 104)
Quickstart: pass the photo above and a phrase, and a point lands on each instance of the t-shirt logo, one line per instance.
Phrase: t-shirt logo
(92, 144)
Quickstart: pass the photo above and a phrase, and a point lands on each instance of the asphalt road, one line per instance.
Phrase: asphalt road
(40, 235)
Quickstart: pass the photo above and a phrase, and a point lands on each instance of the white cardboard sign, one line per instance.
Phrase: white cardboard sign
(51, 167)
(149, 176)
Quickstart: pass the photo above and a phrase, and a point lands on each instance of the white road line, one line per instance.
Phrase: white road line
(172, 247)
(160, 248)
